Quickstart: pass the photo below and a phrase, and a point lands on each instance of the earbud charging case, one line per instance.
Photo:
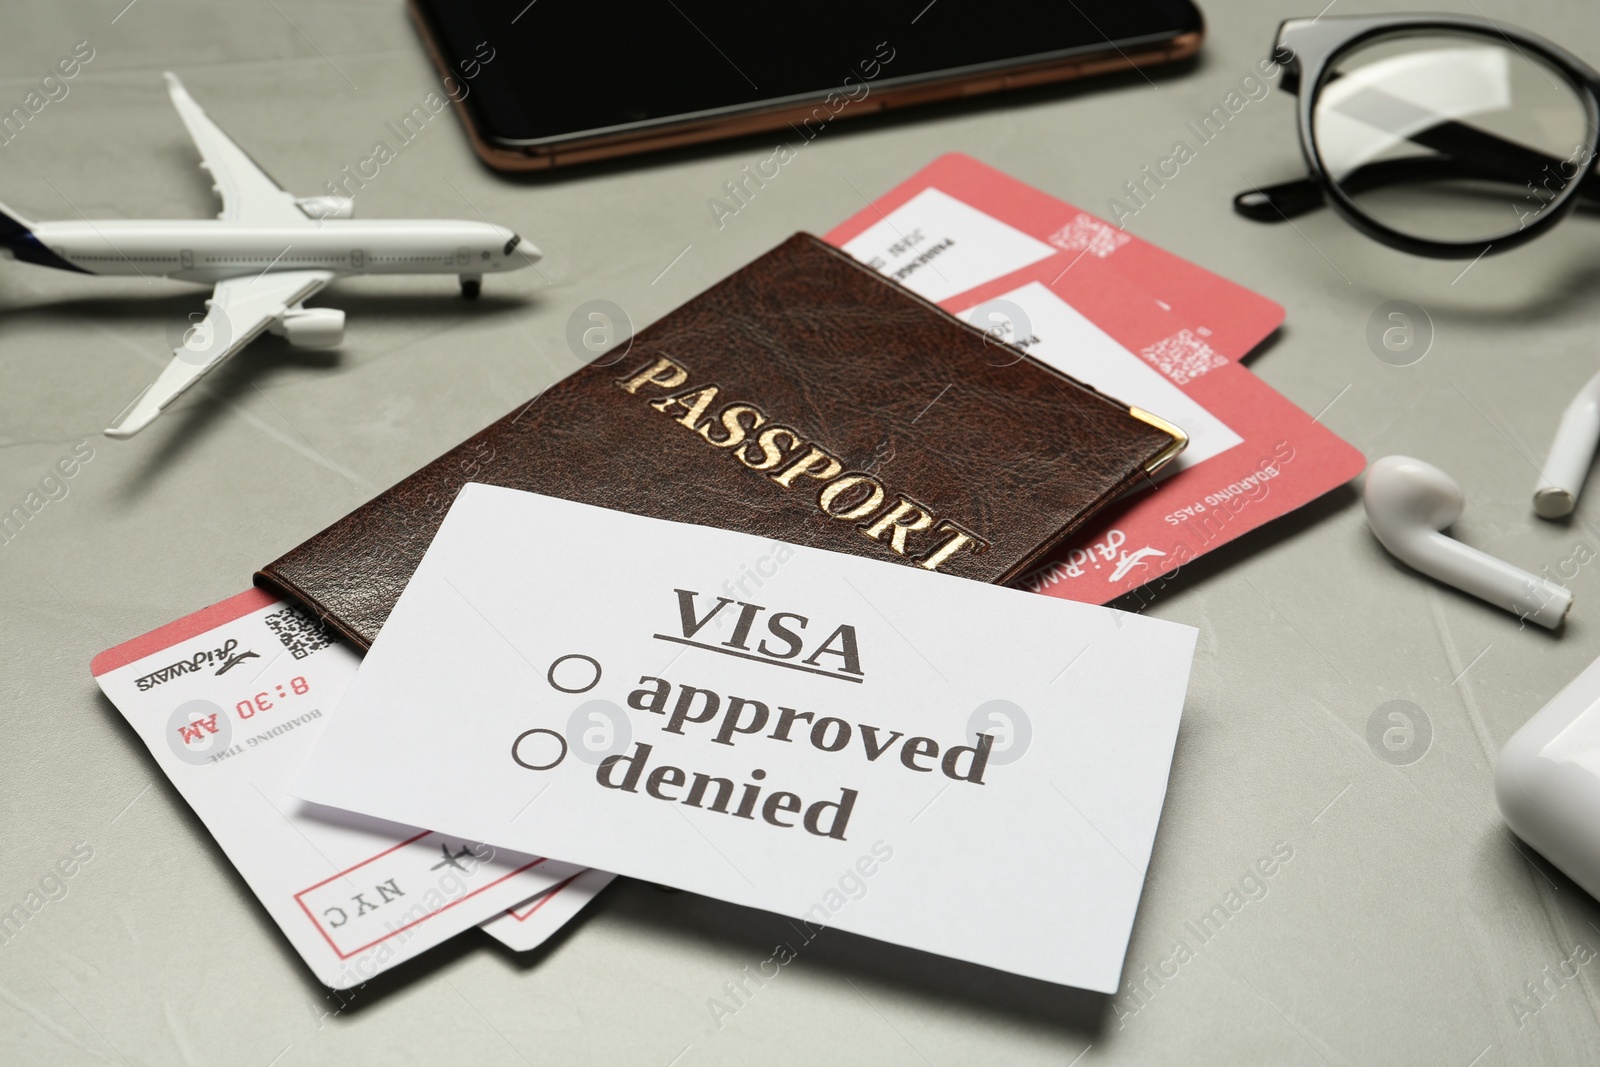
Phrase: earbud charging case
(1547, 780)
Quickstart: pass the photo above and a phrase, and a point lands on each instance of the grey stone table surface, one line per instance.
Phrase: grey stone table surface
(1403, 925)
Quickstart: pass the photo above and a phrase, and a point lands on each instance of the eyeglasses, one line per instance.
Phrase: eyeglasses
(1438, 135)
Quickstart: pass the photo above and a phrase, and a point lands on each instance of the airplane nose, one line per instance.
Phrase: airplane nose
(525, 249)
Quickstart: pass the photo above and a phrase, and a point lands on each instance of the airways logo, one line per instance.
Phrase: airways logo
(780, 646)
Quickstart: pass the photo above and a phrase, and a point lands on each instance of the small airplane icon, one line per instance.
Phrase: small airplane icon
(234, 661)
(1130, 560)
(266, 253)
(449, 860)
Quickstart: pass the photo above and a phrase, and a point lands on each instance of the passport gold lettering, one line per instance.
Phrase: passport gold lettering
(662, 372)
(817, 463)
(733, 420)
(905, 517)
(849, 512)
(906, 527)
(693, 401)
(958, 540)
(771, 454)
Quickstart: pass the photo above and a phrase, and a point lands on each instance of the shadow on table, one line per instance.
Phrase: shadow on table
(869, 965)
(152, 322)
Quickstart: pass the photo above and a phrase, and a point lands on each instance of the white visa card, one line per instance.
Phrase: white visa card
(837, 739)
(229, 701)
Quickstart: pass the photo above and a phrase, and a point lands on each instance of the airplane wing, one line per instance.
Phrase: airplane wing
(237, 312)
(248, 195)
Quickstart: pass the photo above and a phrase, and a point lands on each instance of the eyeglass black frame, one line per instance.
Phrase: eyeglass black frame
(1309, 47)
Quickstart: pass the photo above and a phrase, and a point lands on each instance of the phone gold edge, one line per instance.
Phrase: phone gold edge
(614, 146)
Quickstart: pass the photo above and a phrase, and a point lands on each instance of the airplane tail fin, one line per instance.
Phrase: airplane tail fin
(13, 226)
(17, 238)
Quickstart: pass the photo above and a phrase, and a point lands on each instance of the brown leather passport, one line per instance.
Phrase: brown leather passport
(803, 398)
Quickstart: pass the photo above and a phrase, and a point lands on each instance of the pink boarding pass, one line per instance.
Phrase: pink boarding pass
(230, 701)
(1135, 322)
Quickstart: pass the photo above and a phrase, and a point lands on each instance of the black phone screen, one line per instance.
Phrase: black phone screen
(550, 69)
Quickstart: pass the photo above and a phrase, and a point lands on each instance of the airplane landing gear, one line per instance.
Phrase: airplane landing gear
(471, 286)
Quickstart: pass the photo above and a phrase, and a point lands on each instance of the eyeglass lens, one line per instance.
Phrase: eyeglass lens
(1450, 136)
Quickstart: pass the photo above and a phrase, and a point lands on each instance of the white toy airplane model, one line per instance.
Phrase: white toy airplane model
(265, 253)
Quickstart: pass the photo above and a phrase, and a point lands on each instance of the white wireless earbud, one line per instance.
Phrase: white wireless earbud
(1409, 502)
(1570, 454)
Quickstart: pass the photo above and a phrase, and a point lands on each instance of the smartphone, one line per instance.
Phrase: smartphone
(550, 83)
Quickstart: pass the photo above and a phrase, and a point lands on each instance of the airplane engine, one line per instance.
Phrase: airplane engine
(312, 327)
(327, 207)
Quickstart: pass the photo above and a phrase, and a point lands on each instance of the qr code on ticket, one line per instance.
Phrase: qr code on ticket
(1183, 357)
(1085, 233)
(300, 633)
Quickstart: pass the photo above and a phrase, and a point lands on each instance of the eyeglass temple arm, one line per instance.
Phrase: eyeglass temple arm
(1291, 199)
(1468, 153)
